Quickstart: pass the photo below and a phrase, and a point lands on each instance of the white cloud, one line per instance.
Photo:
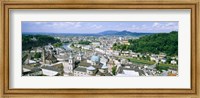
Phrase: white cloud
(38, 23)
(170, 24)
(62, 24)
(77, 24)
(96, 26)
(156, 24)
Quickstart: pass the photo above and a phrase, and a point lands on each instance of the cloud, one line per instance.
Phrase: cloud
(170, 24)
(61, 25)
(96, 26)
(38, 23)
(156, 24)
(77, 24)
(165, 26)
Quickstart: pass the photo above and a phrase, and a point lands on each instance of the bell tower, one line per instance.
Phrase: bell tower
(79, 57)
(71, 63)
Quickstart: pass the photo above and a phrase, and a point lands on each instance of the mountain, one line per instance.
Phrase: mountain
(109, 32)
(123, 33)
(104, 33)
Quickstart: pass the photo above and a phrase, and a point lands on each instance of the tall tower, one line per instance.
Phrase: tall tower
(71, 59)
(79, 57)
(71, 63)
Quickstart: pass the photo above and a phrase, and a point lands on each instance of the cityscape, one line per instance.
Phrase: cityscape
(99, 49)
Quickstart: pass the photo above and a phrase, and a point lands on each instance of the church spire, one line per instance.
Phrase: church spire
(79, 57)
(71, 63)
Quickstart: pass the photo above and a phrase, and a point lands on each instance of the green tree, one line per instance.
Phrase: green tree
(37, 55)
(114, 69)
(84, 42)
(58, 44)
(156, 43)
(31, 41)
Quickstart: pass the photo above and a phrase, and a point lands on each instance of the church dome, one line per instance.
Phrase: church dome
(95, 58)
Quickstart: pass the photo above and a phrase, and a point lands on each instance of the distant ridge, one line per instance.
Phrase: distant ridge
(104, 33)
(123, 33)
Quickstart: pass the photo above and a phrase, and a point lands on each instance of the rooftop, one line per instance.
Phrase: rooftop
(57, 67)
(81, 69)
(91, 68)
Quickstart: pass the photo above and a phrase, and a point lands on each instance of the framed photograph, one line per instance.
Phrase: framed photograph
(101, 48)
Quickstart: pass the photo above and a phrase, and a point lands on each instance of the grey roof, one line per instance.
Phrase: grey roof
(103, 74)
(36, 69)
(31, 66)
(51, 57)
(81, 69)
(28, 67)
(84, 63)
(57, 68)
(99, 66)
(108, 74)
(141, 72)
(99, 73)
(120, 70)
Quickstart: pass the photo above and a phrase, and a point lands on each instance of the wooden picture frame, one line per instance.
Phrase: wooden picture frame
(100, 4)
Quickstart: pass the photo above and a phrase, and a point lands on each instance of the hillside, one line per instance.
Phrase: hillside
(30, 41)
(157, 43)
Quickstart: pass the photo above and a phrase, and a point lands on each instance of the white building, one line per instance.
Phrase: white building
(95, 44)
(80, 71)
(91, 70)
(174, 62)
(154, 58)
(100, 50)
(87, 47)
(163, 60)
(116, 53)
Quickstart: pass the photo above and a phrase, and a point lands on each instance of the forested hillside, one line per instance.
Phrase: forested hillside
(30, 41)
(157, 43)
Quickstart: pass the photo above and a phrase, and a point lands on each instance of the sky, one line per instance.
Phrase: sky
(96, 27)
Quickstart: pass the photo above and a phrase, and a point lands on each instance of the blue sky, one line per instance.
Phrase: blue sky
(96, 27)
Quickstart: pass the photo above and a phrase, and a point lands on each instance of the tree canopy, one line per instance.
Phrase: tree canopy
(30, 41)
(156, 43)
(84, 42)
